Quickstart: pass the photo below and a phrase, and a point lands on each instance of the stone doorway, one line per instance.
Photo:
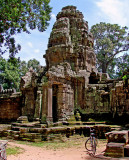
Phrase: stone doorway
(54, 103)
(93, 79)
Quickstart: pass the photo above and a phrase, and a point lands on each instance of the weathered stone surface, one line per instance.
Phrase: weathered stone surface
(101, 130)
(29, 80)
(115, 150)
(126, 150)
(117, 136)
(70, 41)
(22, 119)
(10, 108)
(28, 87)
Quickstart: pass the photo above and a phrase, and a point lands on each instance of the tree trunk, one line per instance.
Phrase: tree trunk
(104, 67)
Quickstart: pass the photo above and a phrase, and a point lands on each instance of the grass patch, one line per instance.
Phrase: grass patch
(11, 150)
(73, 141)
(76, 141)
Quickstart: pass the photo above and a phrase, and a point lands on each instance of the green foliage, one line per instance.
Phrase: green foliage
(9, 73)
(18, 16)
(23, 68)
(110, 40)
(44, 119)
(91, 120)
(34, 64)
(75, 37)
(118, 66)
(126, 74)
(72, 66)
(13, 69)
(75, 140)
(124, 77)
(45, 79)
(122, 64)
(112, 69)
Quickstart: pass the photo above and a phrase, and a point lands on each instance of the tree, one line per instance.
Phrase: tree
(34, 64)
(9, 73)
(110, 40)
(122, 64)
(13, 69)
(23, 68)
(112, 69)
(18, 16)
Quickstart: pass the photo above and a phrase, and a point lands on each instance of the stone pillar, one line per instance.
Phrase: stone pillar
(49, 114)
(44, 107)
(38, 105)
(61, 102)
(29, 104)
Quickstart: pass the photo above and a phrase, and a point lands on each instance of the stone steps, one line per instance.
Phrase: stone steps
(38, 132)
(27, 125)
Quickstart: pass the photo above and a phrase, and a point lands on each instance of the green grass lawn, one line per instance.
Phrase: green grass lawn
(62, 142)
(11, 150)
(73, 141)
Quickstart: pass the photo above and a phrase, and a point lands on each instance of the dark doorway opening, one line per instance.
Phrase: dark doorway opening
(93, 79)
(54, 103)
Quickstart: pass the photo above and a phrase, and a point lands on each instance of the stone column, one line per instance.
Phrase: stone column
(61, 101)
(38, 105)
(29, 104)
(44, 107)
(49, 115)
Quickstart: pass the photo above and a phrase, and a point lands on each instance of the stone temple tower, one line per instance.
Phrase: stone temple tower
(70, 41)
(70, 60)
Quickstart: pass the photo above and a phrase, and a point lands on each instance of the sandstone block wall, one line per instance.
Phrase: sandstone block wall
(10, 108)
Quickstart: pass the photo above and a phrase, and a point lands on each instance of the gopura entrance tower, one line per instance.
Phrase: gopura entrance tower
(70, 60)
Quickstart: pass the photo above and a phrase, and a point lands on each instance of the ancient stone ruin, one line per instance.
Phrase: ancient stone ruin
(68, 89)
(69, 82)
(118, 144)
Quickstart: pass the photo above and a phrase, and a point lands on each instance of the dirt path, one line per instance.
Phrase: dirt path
(38, 153)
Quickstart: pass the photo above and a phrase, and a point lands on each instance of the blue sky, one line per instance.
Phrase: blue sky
(94, 11)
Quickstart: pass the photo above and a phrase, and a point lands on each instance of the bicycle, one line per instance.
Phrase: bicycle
(91, 143)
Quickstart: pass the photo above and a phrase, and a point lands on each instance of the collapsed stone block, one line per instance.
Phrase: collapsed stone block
(126, 150)
(36, 130)
(115, 150)
(22, 119)
(24, 130)
(117, 136)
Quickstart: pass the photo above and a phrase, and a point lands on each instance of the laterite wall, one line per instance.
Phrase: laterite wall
(10, 108)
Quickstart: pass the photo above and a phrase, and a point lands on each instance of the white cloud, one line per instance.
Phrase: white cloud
(116, 11)
(30, 44)
(36, 50)
(53, 16)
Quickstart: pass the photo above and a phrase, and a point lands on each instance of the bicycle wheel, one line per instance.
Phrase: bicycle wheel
(88, 144)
